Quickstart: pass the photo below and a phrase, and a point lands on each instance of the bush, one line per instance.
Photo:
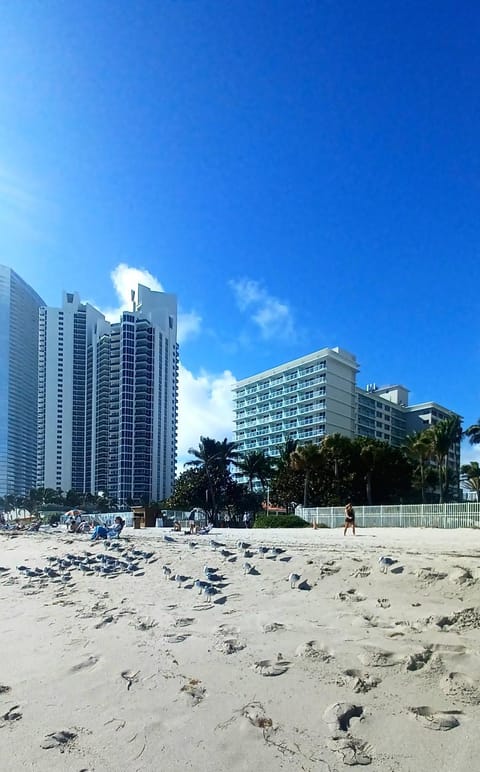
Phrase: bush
(50, 518)
(280, 521)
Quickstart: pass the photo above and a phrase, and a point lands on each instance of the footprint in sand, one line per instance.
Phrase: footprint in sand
(194, 690)
(229, 645)
(229, 630)
(353, 750)
(418, 660)
(12, 714)
(359, 681)
(379, 658)
(176, 638)
(106, 621)
(313, 650)
(59, 739)
(254, 712)
(429, 576)
(86, 663)
(145, 624)
(184, 621)
(130, 677)
(328, 569)
(462, 576)
(466, 619)
(439, 720)
(351, 595)
(272, 627)
(383, 603)
(361, 572)
(462, 687)
(268, 667)
(338, 717)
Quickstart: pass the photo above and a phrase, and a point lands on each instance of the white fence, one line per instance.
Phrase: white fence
(464, 515)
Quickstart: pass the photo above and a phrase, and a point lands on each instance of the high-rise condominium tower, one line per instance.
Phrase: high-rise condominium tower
(66, 395)
(108, 398)
(19, 307)
(142, 357)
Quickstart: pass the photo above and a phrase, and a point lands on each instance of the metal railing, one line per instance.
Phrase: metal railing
(464, 515)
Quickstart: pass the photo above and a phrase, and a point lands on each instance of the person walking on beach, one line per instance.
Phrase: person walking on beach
(349, 518)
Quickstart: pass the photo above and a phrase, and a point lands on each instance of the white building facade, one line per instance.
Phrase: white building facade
(316, 395)
(305, 400)
(66, 407)
(107, 399)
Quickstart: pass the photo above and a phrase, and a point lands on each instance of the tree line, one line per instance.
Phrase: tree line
(366, 470)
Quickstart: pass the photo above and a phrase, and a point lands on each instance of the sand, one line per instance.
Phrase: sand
(352, 666)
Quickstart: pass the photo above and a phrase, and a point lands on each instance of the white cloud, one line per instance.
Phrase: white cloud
(205, 407)
(125, 278)
(188, 325)
(272, 316)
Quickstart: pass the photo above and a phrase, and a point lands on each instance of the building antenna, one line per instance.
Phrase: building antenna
(132, 295)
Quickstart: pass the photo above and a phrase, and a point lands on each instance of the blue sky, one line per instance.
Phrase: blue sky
(301, 174)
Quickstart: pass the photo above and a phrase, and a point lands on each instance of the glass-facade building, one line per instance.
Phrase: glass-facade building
(141, 419)
(19, 319)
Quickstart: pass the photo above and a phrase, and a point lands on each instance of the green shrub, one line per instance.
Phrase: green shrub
(280, 521)
(50, 518)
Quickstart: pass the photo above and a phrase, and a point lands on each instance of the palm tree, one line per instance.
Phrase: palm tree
(255, 465)
(471, 477)
(214, 457)
(283, 459)
(306, 459)
(444, 435)
(370, 451)
(337, 452)
(418, 449)
(473, 433)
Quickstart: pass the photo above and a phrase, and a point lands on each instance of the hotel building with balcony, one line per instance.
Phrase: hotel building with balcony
(316, 395)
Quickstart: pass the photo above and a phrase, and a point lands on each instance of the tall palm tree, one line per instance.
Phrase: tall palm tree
(214, 457)
(337, 451)
(306, 459)
(255, 465)
(473, 433)
(418, 449)
(370, 451)
(444, 435)
(471, 477)
(283, 460)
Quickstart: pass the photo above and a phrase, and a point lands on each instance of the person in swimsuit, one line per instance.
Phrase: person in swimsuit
(349, 518)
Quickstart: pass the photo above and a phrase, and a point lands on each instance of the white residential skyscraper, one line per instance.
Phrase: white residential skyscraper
(19, 305)
(107, 407)
(66, 394)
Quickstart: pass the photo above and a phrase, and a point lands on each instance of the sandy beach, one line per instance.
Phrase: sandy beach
(126, 668)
